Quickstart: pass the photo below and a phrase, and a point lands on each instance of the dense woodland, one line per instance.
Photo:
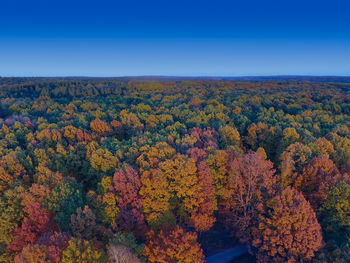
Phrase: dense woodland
(138, 170)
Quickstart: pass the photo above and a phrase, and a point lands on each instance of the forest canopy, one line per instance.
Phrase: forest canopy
(151, 170)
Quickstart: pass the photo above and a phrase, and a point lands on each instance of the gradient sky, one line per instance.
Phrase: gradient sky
(187, 38)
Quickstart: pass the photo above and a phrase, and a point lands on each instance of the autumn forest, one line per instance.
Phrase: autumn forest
(131, 170)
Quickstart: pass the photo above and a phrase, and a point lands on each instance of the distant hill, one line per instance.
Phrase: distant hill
(319, 79)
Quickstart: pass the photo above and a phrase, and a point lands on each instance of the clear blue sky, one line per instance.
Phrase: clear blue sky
(174, 37)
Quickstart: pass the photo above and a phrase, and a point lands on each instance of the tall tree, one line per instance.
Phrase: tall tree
(251, 182)
(155, 196)
(317, 179)
(126, 186)
(36, 222)
(202, 216)
(289, 231)
(181, 174)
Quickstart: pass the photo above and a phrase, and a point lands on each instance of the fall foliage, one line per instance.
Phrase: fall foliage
(34, 223)
(126, 185)
(289, 232)
(316, 180)
(173, 246)
(82, 251)
(173, 170)
(251, 182)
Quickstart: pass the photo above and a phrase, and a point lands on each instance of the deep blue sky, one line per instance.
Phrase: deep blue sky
(174, 37)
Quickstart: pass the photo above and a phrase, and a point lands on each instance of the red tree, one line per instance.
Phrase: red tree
(251, 181)
(206, 138)
(126, 185)
(36, 222)
(56, 243)
(197, 154)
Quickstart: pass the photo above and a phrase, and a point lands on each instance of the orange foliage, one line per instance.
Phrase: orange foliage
(10, 169)
(82, 136)
(75, 135)
(289, 232)
(34, 254)
(49, 135)
(173, 246)
(202, 216)
(37, 193)
(317, 179)
(99, 126)
(69, 132)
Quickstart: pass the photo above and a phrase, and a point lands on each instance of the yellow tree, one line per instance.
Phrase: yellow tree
(103, 160)
(155, 196)
(181, 173)
(82, 251)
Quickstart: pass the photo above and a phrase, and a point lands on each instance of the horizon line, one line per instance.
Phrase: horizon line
(182, 76)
